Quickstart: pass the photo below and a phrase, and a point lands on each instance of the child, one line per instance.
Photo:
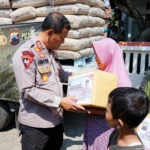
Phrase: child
(126, 109)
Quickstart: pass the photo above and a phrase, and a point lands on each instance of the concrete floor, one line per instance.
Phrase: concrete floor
(73, 136)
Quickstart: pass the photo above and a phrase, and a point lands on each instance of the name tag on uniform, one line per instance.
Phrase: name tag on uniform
(43, 61)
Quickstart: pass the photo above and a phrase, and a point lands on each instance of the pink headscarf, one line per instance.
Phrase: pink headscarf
(110, 55)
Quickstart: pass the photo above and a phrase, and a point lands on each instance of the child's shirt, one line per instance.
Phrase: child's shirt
(113, 146)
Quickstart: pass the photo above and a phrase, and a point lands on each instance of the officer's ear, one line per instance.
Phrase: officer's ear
(50, 33)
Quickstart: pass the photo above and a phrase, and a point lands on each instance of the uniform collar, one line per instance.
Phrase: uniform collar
(38, 42)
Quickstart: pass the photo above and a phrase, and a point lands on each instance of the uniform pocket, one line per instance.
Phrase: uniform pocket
(44, 73)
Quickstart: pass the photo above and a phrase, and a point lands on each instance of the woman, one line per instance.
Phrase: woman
(109, 59)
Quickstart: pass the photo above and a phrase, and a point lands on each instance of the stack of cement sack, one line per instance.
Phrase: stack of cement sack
(5, 10)
(86, 26)
(85, 17)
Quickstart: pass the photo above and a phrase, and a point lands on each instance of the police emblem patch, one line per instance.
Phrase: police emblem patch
(14, 36)
(39, 44)
(54, 54)
(41, 55)
(45, 77)
(27, 58)
(48, 68)
(38, 49)
(42, 69)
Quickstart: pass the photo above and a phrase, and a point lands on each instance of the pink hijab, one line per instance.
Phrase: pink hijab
(110, 55)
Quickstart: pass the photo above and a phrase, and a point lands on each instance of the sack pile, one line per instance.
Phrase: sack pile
(86, 26)
(85, 17)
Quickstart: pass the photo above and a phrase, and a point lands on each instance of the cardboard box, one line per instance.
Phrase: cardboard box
(92, 88)
(143, 132)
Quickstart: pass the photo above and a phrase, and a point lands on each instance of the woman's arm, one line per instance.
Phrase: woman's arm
(97, 111)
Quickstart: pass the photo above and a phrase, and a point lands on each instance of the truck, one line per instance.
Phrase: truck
(11, 38)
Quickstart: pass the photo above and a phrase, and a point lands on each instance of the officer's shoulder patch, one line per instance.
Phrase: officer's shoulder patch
(39, 44)
(27, 58)
(27, 53)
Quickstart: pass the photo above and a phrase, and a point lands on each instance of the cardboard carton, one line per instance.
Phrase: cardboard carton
(143, 131)
(92, 88)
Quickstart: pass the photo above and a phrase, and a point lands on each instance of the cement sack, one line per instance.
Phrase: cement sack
(96, 38)
(5, 4)
(79, 33)
(45, 10)
(72, 9)
(101, 13)
(5, 21)
(37, 19)
(24, 3)
(5, 12)
(88, 2)
(96, 31)
(92, 21)
(75, 44)
(79, 21)
(96, 12)
(62, 2)
(74, 54)
(23, 13)
(99, 3)
(98, 21)
(86, 52)
(68, 54)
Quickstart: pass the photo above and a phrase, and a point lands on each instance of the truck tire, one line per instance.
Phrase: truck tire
(5, 114)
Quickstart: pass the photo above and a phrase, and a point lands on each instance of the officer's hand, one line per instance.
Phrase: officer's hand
(68, 104)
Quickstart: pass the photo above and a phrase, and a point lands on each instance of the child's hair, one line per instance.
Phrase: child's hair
(130, 105)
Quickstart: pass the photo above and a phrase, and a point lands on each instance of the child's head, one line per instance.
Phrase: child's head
(126, 107)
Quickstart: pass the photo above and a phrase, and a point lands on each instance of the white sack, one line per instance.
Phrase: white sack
(79, 21)
(72, 9)
(74, 54)
(60, 2)
(89, 2)
(96, 12)
(79, 33)
(99, 3)
(75, 44)
(24, 3)
(5, 12)
(37, 19)
(98, 21)
(5, 21)
(96, 31)
(23, 13)
(5, 4)
(45, 10)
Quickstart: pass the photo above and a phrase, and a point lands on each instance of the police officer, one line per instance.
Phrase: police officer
(39, 75)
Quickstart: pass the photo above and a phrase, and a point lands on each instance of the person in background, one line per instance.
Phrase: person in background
(132, 107)
(116, 34)
(39, 74)
(109, 59)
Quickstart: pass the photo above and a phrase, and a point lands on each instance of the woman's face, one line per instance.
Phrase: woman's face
(99, 63)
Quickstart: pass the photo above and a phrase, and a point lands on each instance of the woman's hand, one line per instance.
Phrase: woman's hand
(97, 111)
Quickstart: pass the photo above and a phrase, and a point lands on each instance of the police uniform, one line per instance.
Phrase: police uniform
(38, 75)
(86, 91)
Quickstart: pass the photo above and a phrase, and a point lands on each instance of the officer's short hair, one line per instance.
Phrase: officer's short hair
(87, 81)
(55, 21)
